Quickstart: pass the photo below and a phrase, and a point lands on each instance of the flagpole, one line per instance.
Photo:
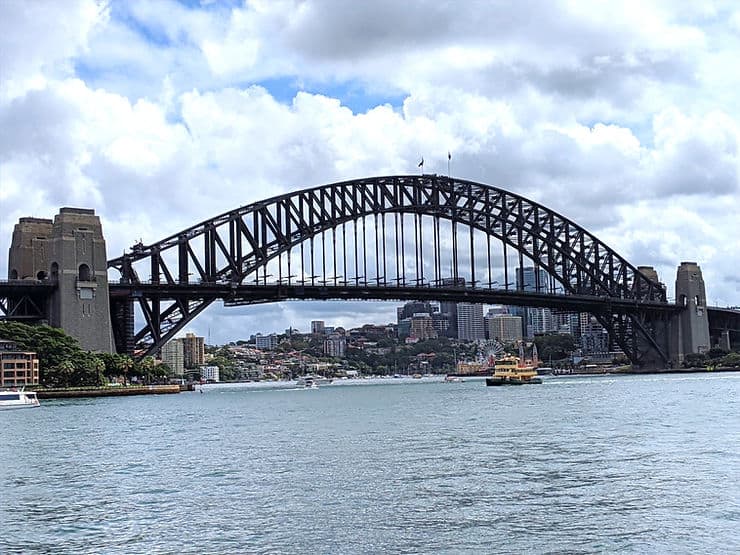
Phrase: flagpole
(449, 157)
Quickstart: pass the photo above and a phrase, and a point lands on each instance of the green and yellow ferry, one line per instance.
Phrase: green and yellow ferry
(511, 371)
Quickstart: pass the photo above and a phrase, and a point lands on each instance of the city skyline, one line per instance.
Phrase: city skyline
(159, 115)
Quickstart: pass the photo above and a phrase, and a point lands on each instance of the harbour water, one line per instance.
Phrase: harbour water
(633, 464)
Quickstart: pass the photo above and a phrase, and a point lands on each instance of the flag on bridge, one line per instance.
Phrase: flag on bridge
(421, 164)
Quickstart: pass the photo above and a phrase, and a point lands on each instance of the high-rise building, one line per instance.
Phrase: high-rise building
(503, 327)
(422, 326)
(317, 327)
(594, 338)
(566, 322)
(441, 324)
(529, 280)
(448, 309)
(470, 321)
(173, 356)
(414, 307)
(335, 345)
(266, 342)
(193, 351)
(539, 321)
(404, 328)
(535, 320)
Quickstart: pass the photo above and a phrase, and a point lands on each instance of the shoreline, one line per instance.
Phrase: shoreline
(108, 391)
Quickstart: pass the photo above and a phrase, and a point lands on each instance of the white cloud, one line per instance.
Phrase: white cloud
(622, 117)
(38, 40)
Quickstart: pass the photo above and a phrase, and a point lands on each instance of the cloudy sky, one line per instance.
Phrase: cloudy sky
(622, 115)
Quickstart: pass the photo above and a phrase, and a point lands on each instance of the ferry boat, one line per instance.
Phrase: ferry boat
(18, 400)
(510, 371)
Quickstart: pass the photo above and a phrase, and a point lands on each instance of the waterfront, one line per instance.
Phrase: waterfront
(578, 464)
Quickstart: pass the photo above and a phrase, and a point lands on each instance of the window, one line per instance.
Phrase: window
(84, 272)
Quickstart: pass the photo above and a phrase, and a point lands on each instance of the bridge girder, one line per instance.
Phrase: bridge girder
(237, 247)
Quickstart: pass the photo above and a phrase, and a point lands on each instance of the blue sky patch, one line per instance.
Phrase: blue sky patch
(351, 94)
(153, 35)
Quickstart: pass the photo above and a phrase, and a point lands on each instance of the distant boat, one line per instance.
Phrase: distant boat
(452, 379)
(18, 400)
(310, 381)
(510, 371)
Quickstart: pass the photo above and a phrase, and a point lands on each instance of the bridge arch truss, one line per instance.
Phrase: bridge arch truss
(396, 237)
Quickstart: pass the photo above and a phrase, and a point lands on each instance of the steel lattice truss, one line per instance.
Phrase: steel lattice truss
(228, 257)
(24, 300)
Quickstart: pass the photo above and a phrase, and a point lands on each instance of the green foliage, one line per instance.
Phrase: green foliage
(62, 363)
(226, 366)
(731, 360)
(51, 345)
(695, 360)
(716, 352)
(149, 370)
(555, 346)
(295, 344)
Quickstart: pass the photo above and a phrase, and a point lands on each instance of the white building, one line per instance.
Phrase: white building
(266, 342)
(470, 322)
(539, 320)
(209, 373)
(335, 345)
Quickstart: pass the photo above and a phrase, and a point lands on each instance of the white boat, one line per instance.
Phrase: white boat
(18, 400)
(312, 382)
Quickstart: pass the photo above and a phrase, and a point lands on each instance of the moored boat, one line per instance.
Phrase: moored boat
(13, 399)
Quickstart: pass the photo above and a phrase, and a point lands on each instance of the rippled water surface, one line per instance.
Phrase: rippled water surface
(605, 464)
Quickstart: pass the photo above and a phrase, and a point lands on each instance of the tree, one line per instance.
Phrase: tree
(51, 345)
(61, 375)
(695, 360)
(88, 370)
(555, 346)
(149, 370)
(731, 360)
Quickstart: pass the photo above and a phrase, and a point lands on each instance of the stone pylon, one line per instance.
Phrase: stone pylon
(691, 326)
(70, 251)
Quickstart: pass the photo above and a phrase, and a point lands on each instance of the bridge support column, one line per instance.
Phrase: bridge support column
(691, 326)
(724, 341)
(71, 252)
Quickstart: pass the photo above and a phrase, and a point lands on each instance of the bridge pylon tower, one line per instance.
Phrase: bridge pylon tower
(691, 326)
(70, 253)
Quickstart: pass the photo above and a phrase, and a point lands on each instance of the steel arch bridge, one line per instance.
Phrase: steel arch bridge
(402, 237)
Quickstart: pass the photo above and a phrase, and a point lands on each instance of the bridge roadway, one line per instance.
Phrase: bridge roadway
(26, 300)
(234, 294)
(31, 295)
